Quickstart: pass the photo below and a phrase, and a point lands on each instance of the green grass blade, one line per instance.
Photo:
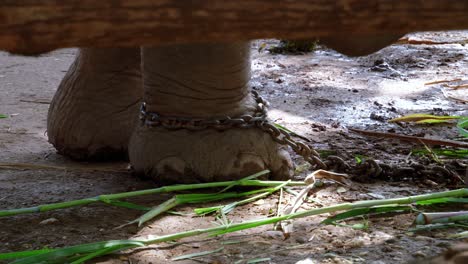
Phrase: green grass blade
(462, 126)
(167, 205)
(206, 197)
(189, 198)
(459, 235)
(420, 228)
(251, 177)
(89, 248)
(23, 254)
(258, 260)
(165, 189)
(441, 218)
(197, 254)
(101, 252)
(227, 208)
(434, 121)
(365, 211)
(243, 226)
(3, 116)
(62, 254)
(127, 205)
(421, 118)
(207, 210)
(451, 153)
(443, 200)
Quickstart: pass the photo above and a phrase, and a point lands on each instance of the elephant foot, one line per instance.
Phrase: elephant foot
(95, 108)
(184, 156)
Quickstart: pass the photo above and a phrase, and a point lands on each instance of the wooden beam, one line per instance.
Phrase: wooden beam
(34, 26)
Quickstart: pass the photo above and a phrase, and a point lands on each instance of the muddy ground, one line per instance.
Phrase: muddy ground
(320, 95)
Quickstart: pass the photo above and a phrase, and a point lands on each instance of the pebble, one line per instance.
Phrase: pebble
(356, 242)
(419, 254)
(376, 195)
(49, 221)
(301, 240)
(259, 202)
(278, 235)
(423, 238)
(444, 244)
(306, 261)
(386, 249)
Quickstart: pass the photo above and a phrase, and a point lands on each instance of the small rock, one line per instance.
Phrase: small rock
(278, 235)
(377, 117)
(301, 240)
(423, 238)
(386, 249)
(306, 261)
(376, 195)
(430, 183)
(419, 254)
(380, 68)
(341, 190)
(49, 221)
(444, 244)
(356, 242)
(259, 202)
(377, 262)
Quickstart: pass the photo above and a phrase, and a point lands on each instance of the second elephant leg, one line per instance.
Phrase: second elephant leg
(201, 81)
(93, 112)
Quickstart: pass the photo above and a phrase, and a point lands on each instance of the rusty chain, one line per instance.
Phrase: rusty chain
(259, 119)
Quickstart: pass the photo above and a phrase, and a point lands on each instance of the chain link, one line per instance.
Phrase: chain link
(259, 120)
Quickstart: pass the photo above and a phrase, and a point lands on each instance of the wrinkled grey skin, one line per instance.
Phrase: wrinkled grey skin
(94, 110)
(94, 114)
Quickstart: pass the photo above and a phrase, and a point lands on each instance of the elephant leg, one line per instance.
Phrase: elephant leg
(95, 108)
(207, 81)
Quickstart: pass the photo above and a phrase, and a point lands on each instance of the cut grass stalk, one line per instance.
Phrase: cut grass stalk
(451, 153)
(112, 197)
(225, 209)
(462, 127)
(366, 211)
(443, 200)
(460, 235)
(430, 227)
(92, 248)
(197, 254)
(200, 198)
(424, 118)
(441, 218)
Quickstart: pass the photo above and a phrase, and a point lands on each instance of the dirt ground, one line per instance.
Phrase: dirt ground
(320, 95)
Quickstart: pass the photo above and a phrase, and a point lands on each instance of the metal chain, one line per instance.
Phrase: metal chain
(259, 120)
